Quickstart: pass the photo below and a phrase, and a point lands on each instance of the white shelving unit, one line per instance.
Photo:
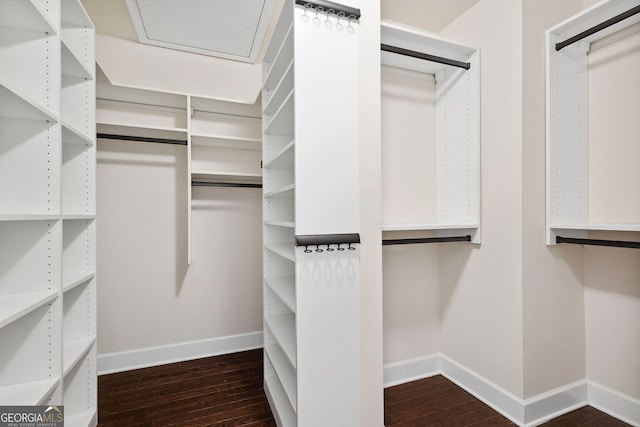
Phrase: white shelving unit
(47, 215)
(310, 187)
(568, 123)
(223, 139)
(432, 153)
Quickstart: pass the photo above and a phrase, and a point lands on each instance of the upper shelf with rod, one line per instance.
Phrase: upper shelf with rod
(590, 62)
(412, 50)
(438, 126)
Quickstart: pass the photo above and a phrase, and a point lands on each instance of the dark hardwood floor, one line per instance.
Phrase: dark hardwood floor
(227, 391)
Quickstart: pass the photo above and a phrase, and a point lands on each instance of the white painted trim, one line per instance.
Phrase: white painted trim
(411, 369)
(556, 402)
(616, 404)
(153, 356)
(493, 395)
(528, 413)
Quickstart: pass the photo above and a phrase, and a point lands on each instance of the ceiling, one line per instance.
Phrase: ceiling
(234, 29)
(230, 29)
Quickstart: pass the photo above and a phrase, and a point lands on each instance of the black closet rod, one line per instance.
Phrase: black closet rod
(609, 22)
(142, 139)
(425, 56)
(327, 239)
(596, 242)
(466, 238)
(331, 8)
(224, 184)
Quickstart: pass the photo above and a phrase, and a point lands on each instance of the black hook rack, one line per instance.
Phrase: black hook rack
(331, 8)
(328, 240)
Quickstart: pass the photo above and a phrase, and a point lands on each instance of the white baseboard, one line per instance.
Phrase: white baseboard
(526, 413)
(615, 404)
(552, 404)
(142, 358)
(493, 395)
(411, 370)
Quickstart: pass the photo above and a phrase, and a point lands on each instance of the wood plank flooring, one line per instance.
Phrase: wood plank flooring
(227, 391)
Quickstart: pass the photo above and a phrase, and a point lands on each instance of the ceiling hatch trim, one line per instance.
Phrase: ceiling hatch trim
(229, 29)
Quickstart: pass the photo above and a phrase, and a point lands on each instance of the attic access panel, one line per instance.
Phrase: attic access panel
(229, 29)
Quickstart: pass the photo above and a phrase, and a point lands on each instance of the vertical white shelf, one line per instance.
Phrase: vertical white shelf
(30, 231)
(278, 161)
(47, 188)
(29, 108)
(568, 138)
(310, 183)
(78, 111)
(30, 304)
(446, 191)
(224, 147)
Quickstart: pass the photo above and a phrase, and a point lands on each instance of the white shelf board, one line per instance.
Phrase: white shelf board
(82, 419)
(71, 66)
(15, 306)
(25, 14)
(226, 142)
(226, 177)
(73, 352)
(30, 217)
(122, 128)
(284, 86)
(224, 137)
(286, 191)
(16, 105)
(72, 135)
(31, 393)
(273, 61)
(416, 40)
(285, 372)
(69, 284)
(594, 15)
(284, 159)
(285, 224)
(279, 402)
(283, 328)
(285, 288)
(285, 250)
(420, 227)
(74, 15)
(281, 122)
(78, 216)
(597, 227)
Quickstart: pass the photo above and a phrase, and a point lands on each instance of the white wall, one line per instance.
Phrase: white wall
(370, 216)
(410, 272)
(612, 275)
(481, 286)
(148, 295)
(411, 302)
(612, 311)
(553, 303)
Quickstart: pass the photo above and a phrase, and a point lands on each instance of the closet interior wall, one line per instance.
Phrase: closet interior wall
(540, 322)
(192, 252)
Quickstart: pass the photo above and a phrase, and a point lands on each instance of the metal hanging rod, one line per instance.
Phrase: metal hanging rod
(596, 242)
(609, 22)
(141, 139)
(331, 8)
(328, 240)
(466, 238)
(425, 56)
(224, 184)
